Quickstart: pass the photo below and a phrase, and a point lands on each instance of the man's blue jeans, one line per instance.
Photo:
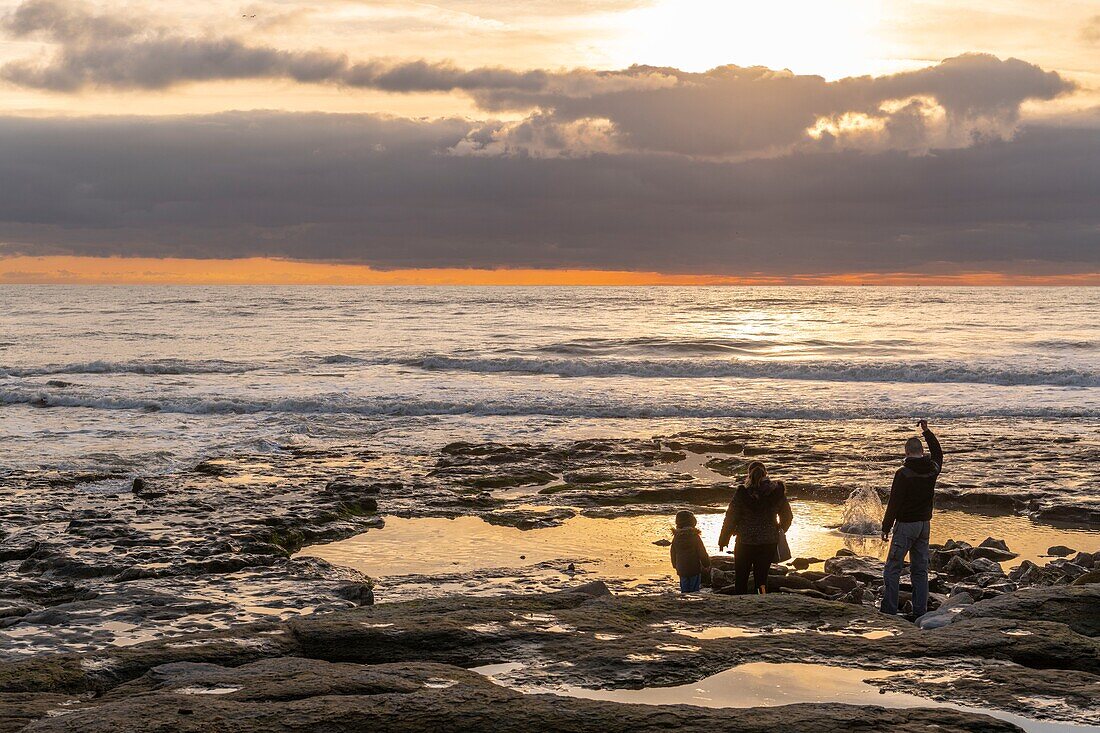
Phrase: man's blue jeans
(911, 538)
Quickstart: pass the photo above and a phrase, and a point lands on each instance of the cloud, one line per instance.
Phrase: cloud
(729, 111)
(734, 110)
(388, 193)
(131, 52)
(1091, 32)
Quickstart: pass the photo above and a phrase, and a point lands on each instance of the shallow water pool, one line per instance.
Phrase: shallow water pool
(764, 684)
(624, 547)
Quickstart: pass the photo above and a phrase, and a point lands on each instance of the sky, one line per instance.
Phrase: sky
(550, 141)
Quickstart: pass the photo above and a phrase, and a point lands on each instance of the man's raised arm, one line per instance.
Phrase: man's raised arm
(933, 444)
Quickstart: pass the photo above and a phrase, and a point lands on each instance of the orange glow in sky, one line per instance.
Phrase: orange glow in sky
(265, 271)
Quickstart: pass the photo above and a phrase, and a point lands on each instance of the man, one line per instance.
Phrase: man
(908, 512)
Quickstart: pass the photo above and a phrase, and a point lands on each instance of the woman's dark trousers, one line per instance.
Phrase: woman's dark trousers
(757, 558)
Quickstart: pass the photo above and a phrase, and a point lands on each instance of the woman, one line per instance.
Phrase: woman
(757, 515)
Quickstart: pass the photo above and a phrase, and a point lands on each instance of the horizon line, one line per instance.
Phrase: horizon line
(85, 270)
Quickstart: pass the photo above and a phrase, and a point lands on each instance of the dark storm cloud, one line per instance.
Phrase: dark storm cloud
(736, 110)
(386, 192)
(727, 111)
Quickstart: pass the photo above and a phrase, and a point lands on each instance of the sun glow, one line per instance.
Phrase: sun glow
(834, 39)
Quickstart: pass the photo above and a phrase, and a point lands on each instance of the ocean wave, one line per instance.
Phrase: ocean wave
(1066, 344)
(157, 366)
(660, 345)
(528, 405)
(827, 371)
(341, 359)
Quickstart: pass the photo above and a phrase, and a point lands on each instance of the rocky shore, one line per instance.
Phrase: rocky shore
(1035, 653)
(142, 602)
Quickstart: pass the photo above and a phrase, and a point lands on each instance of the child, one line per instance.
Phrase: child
(689, 556)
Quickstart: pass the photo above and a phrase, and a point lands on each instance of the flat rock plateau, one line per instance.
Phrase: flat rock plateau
(184, 601)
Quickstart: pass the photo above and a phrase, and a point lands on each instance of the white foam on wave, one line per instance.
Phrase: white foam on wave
(554, 405)
(824, 370)
(157, 366)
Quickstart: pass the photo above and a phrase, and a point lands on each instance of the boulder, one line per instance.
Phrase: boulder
(990, 543)
(1066, 568)
(994, 554)
(947, 612)
(984, 565)
(801, 563)
(1074, 606)
(958, 568)
(838, 583)
(722, 562)
(938, 559)
(1085, 560)
(807, 592)
(1020, 570)
(721, 579)
(1092, 576)
(861, 568)
(362, 594)
(1060, 551)
(790, 582)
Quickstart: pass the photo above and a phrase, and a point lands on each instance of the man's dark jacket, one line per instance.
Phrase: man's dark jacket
(914, 486)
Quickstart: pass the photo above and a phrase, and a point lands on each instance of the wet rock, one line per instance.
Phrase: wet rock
(939, 558)
(1074, 606)
(1085, 560)
(350, 485)
(792, 582)
(958, 568)
(362, 594)
(727, 466)
(946, 612)
(801, 563)
(1060, 551)
(984, 565)
(999, 588)
(805, 592)
(865, 569)
(994, 544)
(662, 542)
(301, 694)
(529, 519)
(838, 583)
(701, 446)
(16, 549)
(213, 468)
(470, 631)
(19, 709)
(1092, 576)
(142, 489)
(844, 552)
(1066, 568)
(510, 480)
(994, 554)
(720, 579)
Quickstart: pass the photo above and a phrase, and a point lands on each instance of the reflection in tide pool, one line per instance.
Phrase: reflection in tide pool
(624, 547)
(763, 684)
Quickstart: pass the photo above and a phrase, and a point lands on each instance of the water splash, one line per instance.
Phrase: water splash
(862, 512)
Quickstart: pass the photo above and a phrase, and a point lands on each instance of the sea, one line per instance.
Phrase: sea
(150, 379)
